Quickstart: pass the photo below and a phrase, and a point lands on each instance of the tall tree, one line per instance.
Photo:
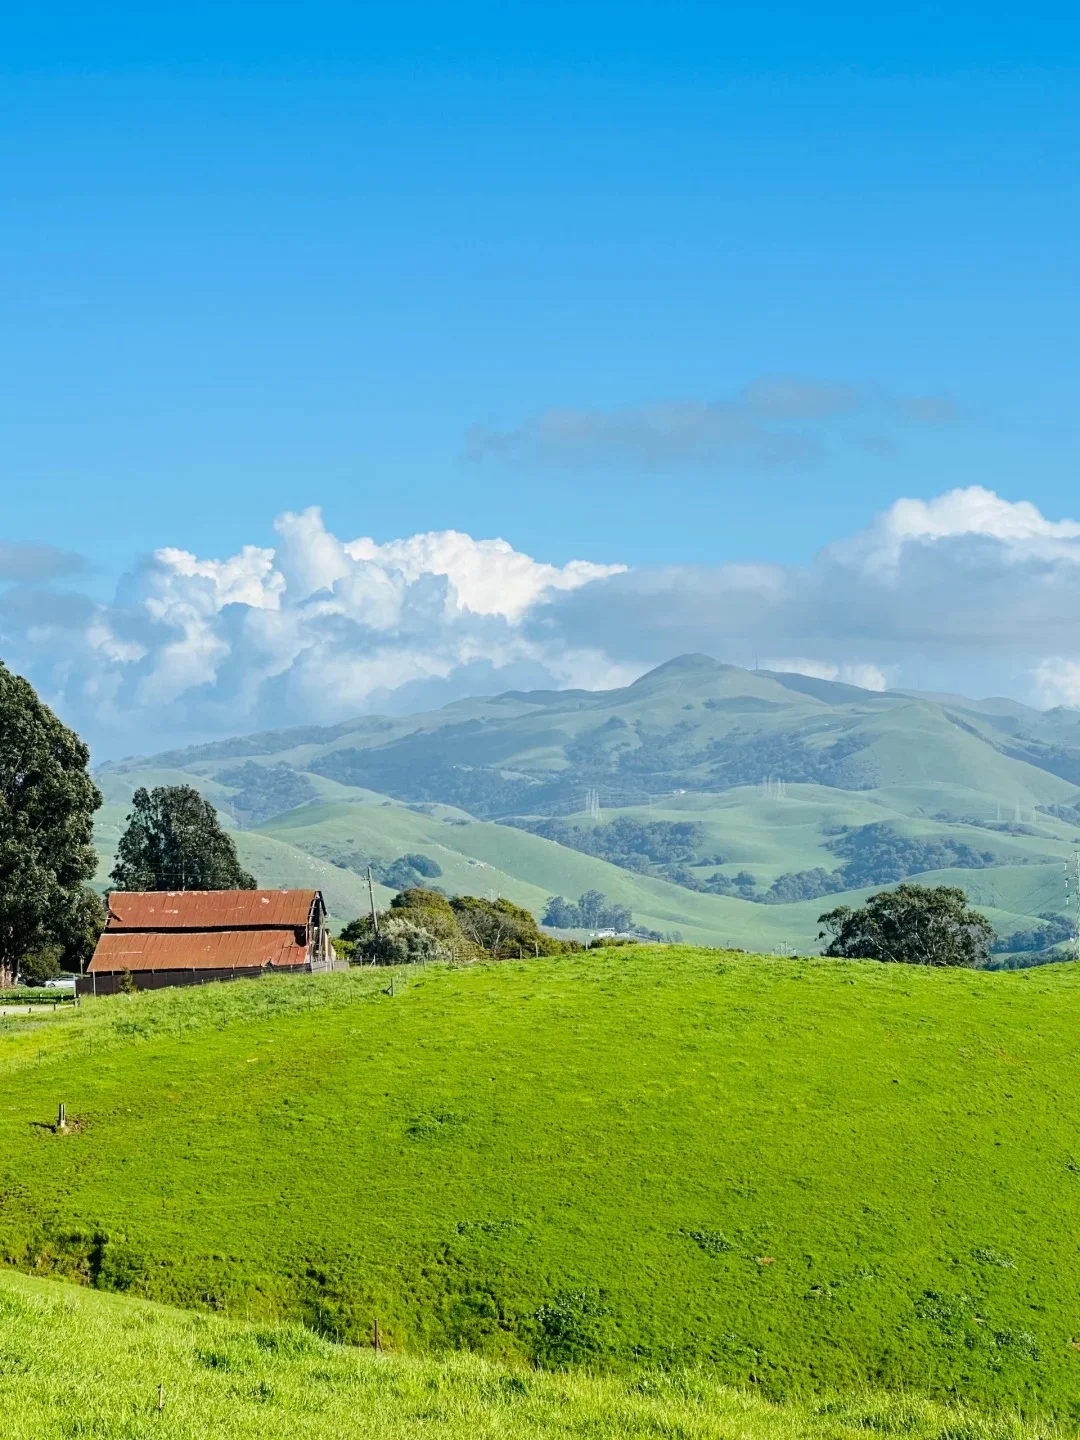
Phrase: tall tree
(174, 841)
(47, 804)
(912, 925)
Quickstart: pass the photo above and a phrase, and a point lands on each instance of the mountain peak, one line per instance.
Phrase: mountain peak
(695, 666)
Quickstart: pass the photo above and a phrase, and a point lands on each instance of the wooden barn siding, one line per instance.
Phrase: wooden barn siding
(108, 983)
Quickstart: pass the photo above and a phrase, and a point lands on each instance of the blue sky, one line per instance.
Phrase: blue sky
(536, 272)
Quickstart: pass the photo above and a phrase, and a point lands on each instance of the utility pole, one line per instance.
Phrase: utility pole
(371, 897)
(1072, 898)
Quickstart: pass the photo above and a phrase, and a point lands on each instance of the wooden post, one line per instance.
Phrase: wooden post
(378, 1337)
(160, 1398)
(61, 1117)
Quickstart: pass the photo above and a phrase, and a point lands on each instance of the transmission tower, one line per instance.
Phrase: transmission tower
(592, 804)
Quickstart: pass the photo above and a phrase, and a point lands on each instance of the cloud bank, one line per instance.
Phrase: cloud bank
(966, 592)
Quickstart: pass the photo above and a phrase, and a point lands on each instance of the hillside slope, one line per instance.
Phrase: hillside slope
(806, 1174)
(692, 724)
(246, 1381)
(771, 771)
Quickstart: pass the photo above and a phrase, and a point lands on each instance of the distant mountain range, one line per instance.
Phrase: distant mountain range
(729, 805)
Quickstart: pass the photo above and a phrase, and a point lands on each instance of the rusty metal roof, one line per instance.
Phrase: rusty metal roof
(208, 909)
(209, 950)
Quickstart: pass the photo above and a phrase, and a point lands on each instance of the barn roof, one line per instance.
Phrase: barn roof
(208, 909)
(184, 950)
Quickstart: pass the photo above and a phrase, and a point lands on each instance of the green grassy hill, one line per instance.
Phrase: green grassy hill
(691, 742)
(91, 1364)
(82, 1363)
(805, 1175)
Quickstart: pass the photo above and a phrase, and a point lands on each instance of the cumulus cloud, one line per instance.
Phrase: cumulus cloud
(775, 420)
(966, 592)
(309, 630)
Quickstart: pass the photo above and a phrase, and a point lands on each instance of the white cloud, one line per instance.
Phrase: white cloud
(311, 630)
(967, 592)
(1057, 682)
(973, 512)
(865, 675)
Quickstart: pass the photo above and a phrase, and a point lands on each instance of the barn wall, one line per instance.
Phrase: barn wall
(108, 983)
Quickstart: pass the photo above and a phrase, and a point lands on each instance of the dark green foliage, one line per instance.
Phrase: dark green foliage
(501, 929)
(1053, 931)
(460, 928)
(912, 925)
(627, 842)
(878, 854)
(429, 908)
(570, 1330)
(406, 872)
(173, 841)
(874, 855)
(423, 865)
(47, 804)
(357, 930)
(802, 885)
(406, 770)
(401, 941)
(592, 911)
(39, 966)
(265, 790)
(86, 922)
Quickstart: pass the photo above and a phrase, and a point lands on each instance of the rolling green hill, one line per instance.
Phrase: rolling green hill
(807, 1175)
(84, 1363)
(781, 776)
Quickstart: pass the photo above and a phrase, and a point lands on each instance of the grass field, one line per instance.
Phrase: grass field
(80, 1363)
(807, 1175)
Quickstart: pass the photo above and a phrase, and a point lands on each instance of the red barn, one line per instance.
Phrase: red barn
(188, 937)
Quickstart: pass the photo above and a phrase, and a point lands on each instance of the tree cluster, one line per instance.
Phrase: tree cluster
(1053, 931)
(425, 925)
(627, 842)
(911, 925)
(405, 873)
(592, 911)
(47, 804)
(174, 841)
(265, 790)
(878, 854)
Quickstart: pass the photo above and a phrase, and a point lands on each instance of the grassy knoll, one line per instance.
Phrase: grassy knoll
(806, 1175)
(78, 1363)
